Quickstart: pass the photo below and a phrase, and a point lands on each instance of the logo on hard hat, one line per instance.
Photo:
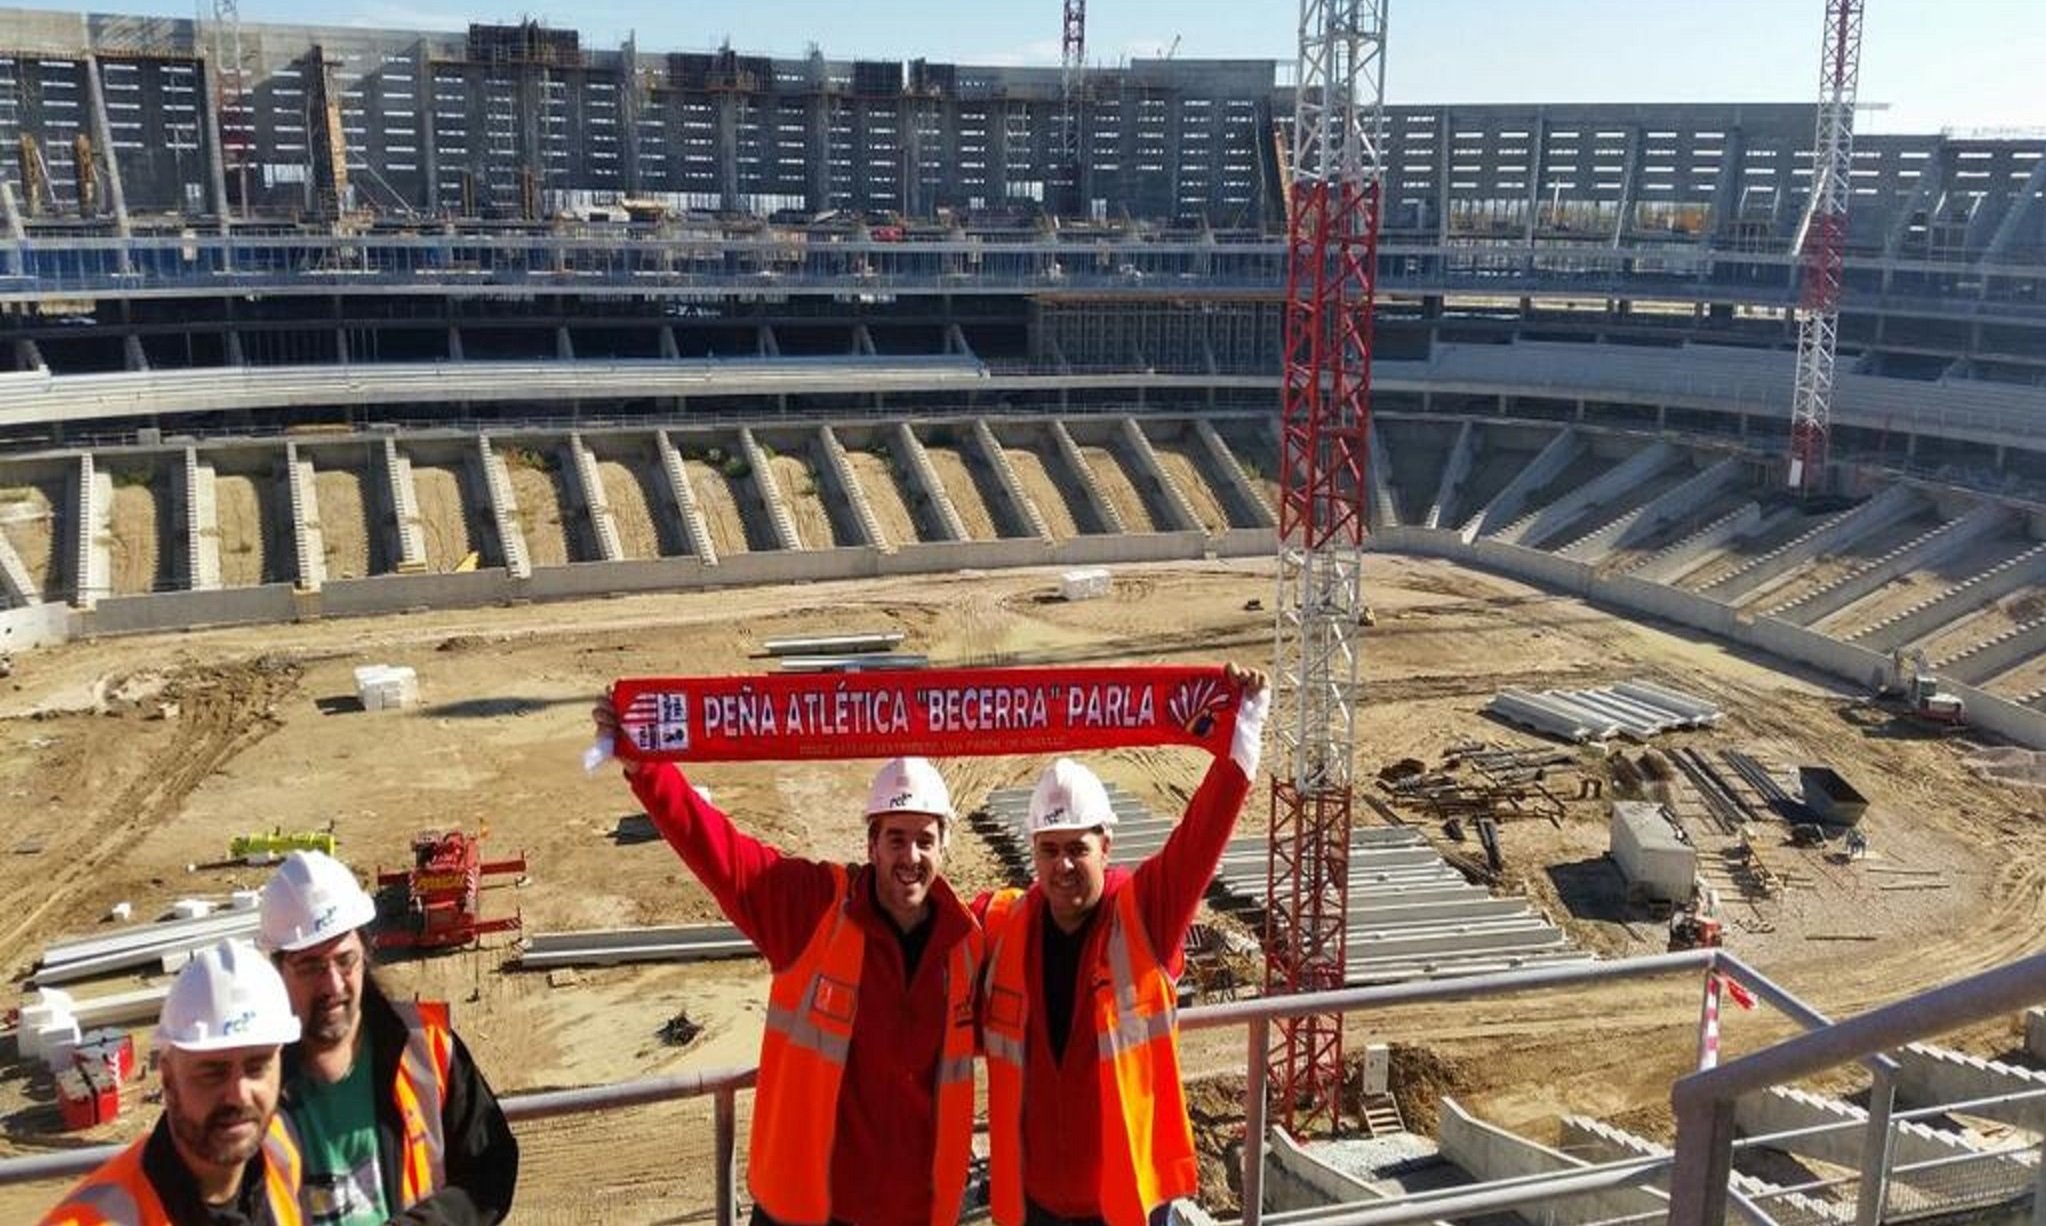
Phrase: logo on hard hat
(239, 1022)
(900, 799)
(1195, 703)
(1052, 817)
(325, 916)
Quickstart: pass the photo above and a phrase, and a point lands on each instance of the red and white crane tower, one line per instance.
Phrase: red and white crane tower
(1072, 64)
(1332, 233)
(1820, 246)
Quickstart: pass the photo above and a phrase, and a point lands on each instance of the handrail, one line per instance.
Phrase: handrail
(1704, 1100)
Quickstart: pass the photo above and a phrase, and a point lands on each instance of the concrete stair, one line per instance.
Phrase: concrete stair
(307, 541)
(1179, 511)
(1985, 660)
(1021, 507)
(1537, 530)
(779, 521)
(1505, 506)
(1951, 605)
(1680, 556)
(93, 560)
(586, 482)
(1925, 549)
(1641, 522)
(197, 500)
(1929, 1076)
(504, 510)
(923, 478)
(403, 498)
(1099, 508)
(1454, 472)
(683, 499)
(16, 584)
(1840, 528)
(1224, 461)
(1384, 508)
(845, 483)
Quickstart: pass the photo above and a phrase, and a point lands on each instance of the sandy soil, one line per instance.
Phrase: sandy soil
(1831, 567)
(143, 539)
(506, 690)
(538, 495)
(28, 517)
(887, 495)
(1256, 454)
(1918, 586)
(719, 507)
(250, 544)
(1190, 474)
(1121, 492)
(444, 515)
(962, 487)
(1048, 493)
(628, 490)
(804, 497)
(344, 523)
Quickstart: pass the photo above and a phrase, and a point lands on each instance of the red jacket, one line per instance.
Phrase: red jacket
(886, 1141)
(1061, 1133)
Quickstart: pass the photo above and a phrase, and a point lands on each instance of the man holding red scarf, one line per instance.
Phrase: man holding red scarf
(1087, 1119)
(866, 1064)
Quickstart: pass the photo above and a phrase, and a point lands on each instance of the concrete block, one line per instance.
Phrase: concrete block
(1894, 503)
(198, 493)
(402, 497)
(2006, 651)
(2035, 1033)
(1538, 530)
(1929, 1076)
(504, 515)
(1682, 556)
(1490, 1153)
(1951, 605)
(93, 543)
(1926, 549)
(1672, 504)
(309, 546)
(1505, 506)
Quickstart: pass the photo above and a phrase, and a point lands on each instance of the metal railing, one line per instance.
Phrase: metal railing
(1698, 1171)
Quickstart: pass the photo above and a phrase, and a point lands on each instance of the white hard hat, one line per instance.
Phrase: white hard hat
(228, 995)
(312, 897)
(909, 785)
(1068, 796)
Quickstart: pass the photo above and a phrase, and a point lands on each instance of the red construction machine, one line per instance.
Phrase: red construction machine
(441, 892)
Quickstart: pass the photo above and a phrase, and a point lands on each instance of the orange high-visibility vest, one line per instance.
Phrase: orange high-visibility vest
(1147, 1146)
(119, 1192)
(420, 1090)
(811, 1005)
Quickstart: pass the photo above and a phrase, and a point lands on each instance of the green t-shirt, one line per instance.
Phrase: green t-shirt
(337, 1130)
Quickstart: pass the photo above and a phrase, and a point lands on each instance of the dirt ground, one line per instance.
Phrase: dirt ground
(964, 491)
(876, 475)
(29, 521)
(719, 508)
(626, 490)
(139, 524)
(245, 547)
(1049, 494)
(107, 805)
(1182, 461)
(1117, 488)
(805, 501)
(538, 494)
(344, 523)
(444, 515)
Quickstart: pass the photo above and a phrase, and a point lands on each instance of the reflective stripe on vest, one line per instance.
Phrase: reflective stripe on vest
(119, 1193)
(1147, 1156)
(811, 1006)
(420, 1092)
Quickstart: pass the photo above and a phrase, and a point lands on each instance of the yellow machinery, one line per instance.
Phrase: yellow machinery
(278, 843)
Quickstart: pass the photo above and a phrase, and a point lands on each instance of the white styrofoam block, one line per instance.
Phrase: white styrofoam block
(121, 911)
(1086, 584)
(191, 908)
(244, 900)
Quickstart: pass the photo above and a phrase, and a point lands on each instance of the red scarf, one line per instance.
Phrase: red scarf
(940, 713)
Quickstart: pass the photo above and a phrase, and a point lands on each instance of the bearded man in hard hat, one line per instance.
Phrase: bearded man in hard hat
(866, 1065)
(392, 1117)
(217, 1153)
(1087, 1120)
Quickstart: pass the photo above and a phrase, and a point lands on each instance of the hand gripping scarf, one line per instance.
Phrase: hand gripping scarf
(939, 713)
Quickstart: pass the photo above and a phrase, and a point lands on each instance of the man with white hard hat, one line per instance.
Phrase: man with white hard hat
(391, 1115)
(1087, 1119)
(866, 1064)
(217, 1156)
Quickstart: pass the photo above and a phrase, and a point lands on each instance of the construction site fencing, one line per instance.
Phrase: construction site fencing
(1697, 1173)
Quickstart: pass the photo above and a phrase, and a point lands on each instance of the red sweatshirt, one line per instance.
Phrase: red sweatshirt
(1061, 1098)
(887, 1107)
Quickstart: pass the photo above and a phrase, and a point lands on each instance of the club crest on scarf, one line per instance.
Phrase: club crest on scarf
(1196, 703)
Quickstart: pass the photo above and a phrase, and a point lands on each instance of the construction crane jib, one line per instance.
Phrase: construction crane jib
(1336, 160)
(1821, 244)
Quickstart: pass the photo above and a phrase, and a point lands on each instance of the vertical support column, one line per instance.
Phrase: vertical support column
(694, 530)
(202, 523)
(909, 450)
(216, 156)
(820, 146)
(93, 558)
(628, 112)
(103, 136)
(596, 508)
(429, 144)
(307, 541)
(728, 148)
(779, 521)
(403, 498)
(1875, 1148)
(504, 510)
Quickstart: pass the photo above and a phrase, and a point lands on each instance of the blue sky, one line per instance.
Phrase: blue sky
(1963, 64)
